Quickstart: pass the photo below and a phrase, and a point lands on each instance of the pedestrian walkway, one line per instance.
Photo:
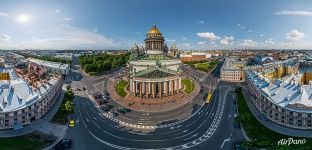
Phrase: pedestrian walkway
(272, 125)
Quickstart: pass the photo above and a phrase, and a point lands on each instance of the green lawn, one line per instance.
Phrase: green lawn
(206, 66)
(65, 109)
(189, 85)
(120, 86)
(33, 141)
(265, 137)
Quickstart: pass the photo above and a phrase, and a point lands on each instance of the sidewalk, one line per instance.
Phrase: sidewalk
(272, 125)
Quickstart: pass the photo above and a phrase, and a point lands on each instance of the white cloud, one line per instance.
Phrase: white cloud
(227, 40)
(171, 40)
(5, 37)
(249, 30)
(3, 14)
(261, 35)
(186, 45)
(200, 22)
(208, 35)
(294, 13)
(269, 41)
(201, 43)
(247, 43)
(294, 35)
(68, 19)
(70, 37)
(55, 11)
(184, 38)
(240, 26)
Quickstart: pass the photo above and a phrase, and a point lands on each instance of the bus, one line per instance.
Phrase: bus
(208, 100)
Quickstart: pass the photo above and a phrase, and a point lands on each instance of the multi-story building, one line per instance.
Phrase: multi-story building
(285, 100)
(21, 103)
(53, 67)
(194, 56)
(232, 70)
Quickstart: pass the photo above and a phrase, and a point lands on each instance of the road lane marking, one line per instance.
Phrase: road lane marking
(225, 140)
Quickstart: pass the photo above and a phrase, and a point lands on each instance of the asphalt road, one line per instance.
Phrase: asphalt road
(207, 127)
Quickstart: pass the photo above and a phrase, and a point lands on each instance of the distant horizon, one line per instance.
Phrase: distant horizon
(106, 24)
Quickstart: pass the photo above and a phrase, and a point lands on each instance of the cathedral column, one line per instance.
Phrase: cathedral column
(173, 88)
(153, 89)
(140, 89)
(165, 88)
(170, 87)
(149, 89)
(178, 85)
(135, 86)
(146, 89)
(160, 87)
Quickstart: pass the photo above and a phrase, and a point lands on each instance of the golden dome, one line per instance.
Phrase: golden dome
(154, 30)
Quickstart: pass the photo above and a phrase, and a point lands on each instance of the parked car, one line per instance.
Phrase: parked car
(114, 114)
(63, 144)
(84, 88)
(78, 89)
(109, 106)
(124, 110)
(105, 109)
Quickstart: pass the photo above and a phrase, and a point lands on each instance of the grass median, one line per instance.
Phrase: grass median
(189, 85)
(66, 108)
(120, 88)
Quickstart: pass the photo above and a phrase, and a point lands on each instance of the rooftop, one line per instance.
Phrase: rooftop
(16, 93)
(286, 92)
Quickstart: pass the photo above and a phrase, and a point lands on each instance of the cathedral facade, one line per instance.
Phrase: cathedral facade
(153, 72)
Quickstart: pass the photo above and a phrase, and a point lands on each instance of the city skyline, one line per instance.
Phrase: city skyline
(119, 24)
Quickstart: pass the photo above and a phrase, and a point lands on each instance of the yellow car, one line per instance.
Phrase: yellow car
(208, 98)
(71, 123)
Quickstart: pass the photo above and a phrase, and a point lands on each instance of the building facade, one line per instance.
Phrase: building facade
(153, 73)
(232, 70)
(21, 103)
(286, 100)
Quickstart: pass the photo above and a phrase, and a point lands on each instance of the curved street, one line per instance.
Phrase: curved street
(194, 125)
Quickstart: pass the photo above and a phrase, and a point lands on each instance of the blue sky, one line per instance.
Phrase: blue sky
(191, 24)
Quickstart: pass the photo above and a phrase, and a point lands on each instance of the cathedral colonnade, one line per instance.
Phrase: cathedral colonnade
(149, 88)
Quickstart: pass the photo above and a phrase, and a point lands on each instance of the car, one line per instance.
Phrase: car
(84, 88)
(109, 106)
(78, 89)
(105, 109)
(63, 144)
(105, 98)
(105, 101)
(114, 114)
(71, 123)
(124, 110)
